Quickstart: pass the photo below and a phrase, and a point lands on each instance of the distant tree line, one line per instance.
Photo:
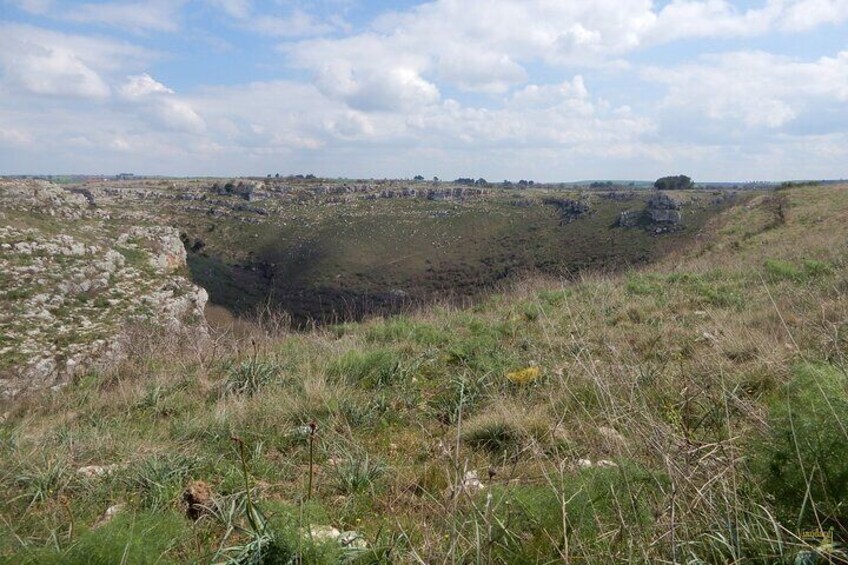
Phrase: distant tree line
(520, 184)
(297, 177)
(471, 182)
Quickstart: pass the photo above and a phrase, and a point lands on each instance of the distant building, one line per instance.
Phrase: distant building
(125, 176)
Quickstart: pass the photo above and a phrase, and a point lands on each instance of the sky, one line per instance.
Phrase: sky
(549, 90)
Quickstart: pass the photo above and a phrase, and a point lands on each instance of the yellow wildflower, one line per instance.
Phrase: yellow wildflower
(524, 376)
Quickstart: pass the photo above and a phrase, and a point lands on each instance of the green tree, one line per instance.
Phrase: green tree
(679, 182)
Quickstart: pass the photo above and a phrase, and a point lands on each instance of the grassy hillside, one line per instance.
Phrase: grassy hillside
(327, 260)
(690, 411)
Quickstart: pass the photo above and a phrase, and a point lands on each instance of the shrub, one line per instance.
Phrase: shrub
(591, 504)
(484, 354)
(142, 538)
(249, 376)
(801, 462)
(370, 369)
(459, 392)
(816, 269)
(42, 482)
(496, 434)
(554, 297)
(645, 285)
(159, 480)
(402, 329)
(357, 473)
(778, 269)
(258, 541)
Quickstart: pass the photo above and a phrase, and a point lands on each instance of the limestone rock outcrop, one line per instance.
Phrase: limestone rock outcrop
(661, 214)
(71, 290)
(663, 209)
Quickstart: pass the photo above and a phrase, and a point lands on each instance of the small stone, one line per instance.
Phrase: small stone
(107, 516)
(471, 483)
(353, 540)
(95, 471)
(324, 533)
(606, 463)
(709, 337)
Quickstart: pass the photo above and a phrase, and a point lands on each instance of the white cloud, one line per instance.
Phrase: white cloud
(683, 19)
(140, 86)
(179, 115)
(295, 23)
(53, 71)
(717, 18)
(120, 143)
(138, 16)
(755, 89)
(805, 15)
(480, 71)
(486, 45)
(396, 90)
(535, 96)
(279, 116)
(50, 63)
(14, 137)
(33, 6)
(103, 55)
(235, 8)
(160, 102)
(367, 75)
(152, 15)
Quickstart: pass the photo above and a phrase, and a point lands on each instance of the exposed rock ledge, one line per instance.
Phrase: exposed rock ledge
(73, 282)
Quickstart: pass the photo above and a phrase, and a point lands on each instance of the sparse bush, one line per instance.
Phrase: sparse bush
(459, 392)
(494, 433)
(483, 353)
(369, 369)
(645, 285)
(403, 329)
(587, 508)
(815, 269)
(778, 269)
(810, 269)
(357, 473)
(554, 297)
(259, 542)
(158, 480)
(801, 461)
(249, 376)
(144, 538)
(712, 288)
(43, 481)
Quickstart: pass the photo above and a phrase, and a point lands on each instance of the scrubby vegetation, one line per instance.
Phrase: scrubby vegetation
(693, 410)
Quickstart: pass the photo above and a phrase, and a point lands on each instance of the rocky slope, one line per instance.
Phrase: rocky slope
(74, 278)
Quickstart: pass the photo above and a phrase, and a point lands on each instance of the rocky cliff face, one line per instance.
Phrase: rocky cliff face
(662, 209)
(73, 280)
(661, 214)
